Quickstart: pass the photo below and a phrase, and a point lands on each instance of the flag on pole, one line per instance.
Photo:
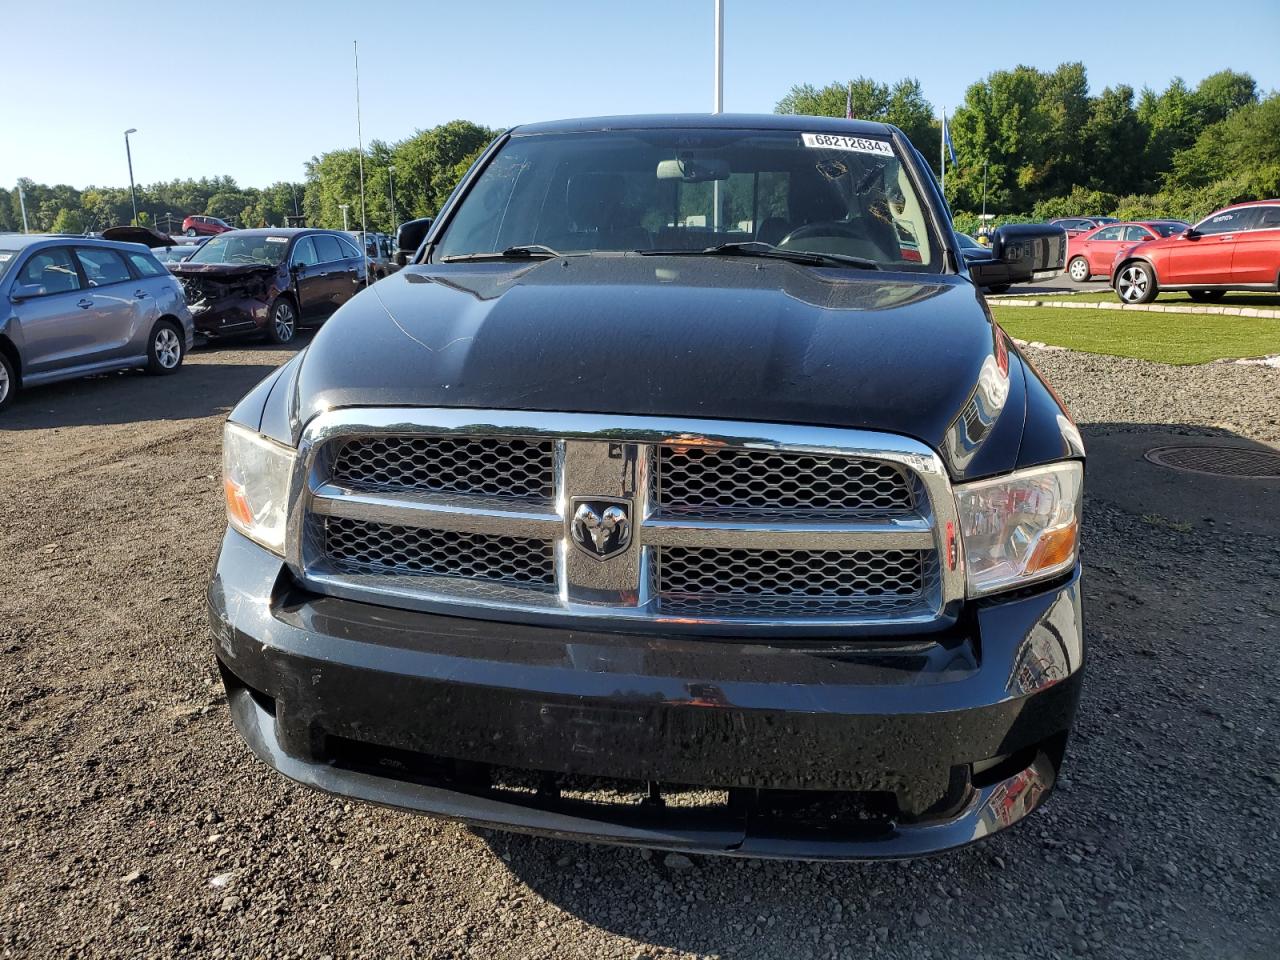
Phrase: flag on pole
(946, 138)
(848, 102)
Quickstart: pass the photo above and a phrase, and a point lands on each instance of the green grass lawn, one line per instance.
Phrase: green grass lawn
(1179, 338)
(1100, 293)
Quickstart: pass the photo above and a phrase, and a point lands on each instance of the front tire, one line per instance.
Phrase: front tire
(8, 380)
(1136, 283)
(1206, 296)
(165, 350)
(1079, 269)
(191, 231)
(282, 326)
(999, 288)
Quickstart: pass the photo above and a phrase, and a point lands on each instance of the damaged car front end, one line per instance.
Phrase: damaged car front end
(228, 298)
(270, 281)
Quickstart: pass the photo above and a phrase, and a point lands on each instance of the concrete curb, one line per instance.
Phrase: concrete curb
(1146, 307)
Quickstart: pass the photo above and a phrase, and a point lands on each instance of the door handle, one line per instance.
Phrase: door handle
(140, 294)
(1226, 237)
(84, 303)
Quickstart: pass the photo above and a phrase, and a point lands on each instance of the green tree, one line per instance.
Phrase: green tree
(1221, 94)
(68, 221)
(1113, 136)
(902, 104)
(1243, 149)
(1001, 122)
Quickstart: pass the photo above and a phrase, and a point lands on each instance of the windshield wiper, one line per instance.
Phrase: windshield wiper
(758, 248)
(527, 251)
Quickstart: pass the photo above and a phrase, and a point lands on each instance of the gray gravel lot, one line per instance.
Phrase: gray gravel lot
(134, 823)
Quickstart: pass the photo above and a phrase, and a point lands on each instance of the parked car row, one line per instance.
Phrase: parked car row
(1235, 248)
(74, 306)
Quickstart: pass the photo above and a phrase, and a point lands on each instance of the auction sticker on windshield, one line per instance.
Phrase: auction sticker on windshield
(834, 141)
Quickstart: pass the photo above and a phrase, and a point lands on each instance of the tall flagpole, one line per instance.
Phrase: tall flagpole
(364, 224)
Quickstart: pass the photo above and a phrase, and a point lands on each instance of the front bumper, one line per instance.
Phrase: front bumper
(231, 315)
(847, 748)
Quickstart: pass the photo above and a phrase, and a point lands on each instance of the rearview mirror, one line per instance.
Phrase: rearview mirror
(1022, 252)
(693, 169)
(409, 238)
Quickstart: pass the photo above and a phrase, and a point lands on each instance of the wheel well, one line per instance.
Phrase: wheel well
(170, 318)
(10, 351)
(1124, 263)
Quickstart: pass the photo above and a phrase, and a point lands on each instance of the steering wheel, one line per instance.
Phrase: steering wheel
(242, 258)
(823, 228)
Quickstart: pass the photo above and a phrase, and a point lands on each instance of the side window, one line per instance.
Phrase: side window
(1270, 219)
(1228, 221)
(1136, 233)
(349, 250)
(145, 265)
(51, 271)
(1110, 233)
(102, 266)
(304, 252)
(327, 248)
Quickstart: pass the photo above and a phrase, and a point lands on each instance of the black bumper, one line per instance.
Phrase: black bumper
(931, 744)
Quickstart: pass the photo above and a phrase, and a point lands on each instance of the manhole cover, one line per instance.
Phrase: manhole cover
(1219, 461)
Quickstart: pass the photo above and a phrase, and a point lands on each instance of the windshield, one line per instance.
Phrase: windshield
(7, 259)
(689, 189)
(238, 248)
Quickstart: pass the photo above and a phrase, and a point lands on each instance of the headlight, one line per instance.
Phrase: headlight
(1020, 528)
(255, 477)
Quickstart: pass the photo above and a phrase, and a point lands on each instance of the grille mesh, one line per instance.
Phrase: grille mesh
(357, 546)
(745, 483)
(814, 581)
(476, 466)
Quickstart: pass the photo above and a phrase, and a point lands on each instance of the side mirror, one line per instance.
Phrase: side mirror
(409, 237)
(25, 291)
(1022, 252)
(1191, 233)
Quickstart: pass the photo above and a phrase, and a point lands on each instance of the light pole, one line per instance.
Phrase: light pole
(343, 208)
(391, 186)
(133, 194)
(22, 202)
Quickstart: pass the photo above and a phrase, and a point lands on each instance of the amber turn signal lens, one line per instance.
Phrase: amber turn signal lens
(1055, 548)
(237, 507)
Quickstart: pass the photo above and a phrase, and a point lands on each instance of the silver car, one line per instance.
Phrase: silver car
(72, 306)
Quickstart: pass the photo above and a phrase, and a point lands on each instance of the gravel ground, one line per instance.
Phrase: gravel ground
(134, 823)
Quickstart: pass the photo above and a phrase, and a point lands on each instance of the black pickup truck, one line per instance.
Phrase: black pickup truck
(668, 498)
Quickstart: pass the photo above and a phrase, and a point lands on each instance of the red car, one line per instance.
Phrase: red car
(1237, 248)
(1092, 253)
(195, 226)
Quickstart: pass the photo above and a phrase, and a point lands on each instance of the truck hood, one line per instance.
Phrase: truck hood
(727, 338)
(221, 271)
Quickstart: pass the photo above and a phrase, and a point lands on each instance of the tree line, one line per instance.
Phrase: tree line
(1046, 148)
(427, 165)
(1042, 145)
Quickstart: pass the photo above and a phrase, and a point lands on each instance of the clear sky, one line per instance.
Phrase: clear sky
(253, 89)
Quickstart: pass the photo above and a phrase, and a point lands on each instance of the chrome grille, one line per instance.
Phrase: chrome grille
(732, 528)
(508, 469)
(744, 483)
(377, 547)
